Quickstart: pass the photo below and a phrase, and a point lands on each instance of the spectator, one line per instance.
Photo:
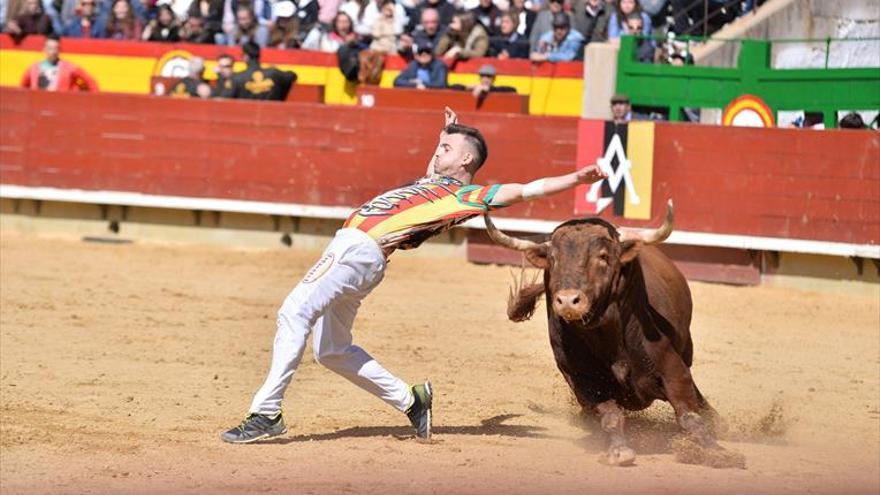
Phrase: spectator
(563, 44)
(525, 17)
(372, 14)
(852, 120)
(487, 84)
(465, 39)
(89, 23)
(342, 33)
(285, 32)
(210, 29)
(617, 20)
(163, 28)
(247, 29)
(621, 111)
(193, 85)
(489, 16)
(424, 71)
(386, 29)
(327, 10)
(224, 88)
(544, 22)
(657, 11)
(54, 74)
(30, 20)
(257, 83)
(509, 44)
(429, 31)
(644, 47)
(356, 9)
(444, 9)
(194, 31)
(590, 18)
(123, 24)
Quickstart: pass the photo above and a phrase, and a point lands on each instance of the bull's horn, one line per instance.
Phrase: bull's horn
(506, 240)
(650, 236)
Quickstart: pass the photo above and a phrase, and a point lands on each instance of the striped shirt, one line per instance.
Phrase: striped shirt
(405, 217)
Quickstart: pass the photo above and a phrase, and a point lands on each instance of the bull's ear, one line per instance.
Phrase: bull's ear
(629, 250)
(537, 256)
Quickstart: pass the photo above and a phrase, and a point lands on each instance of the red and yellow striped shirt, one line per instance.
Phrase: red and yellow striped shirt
(405, 217)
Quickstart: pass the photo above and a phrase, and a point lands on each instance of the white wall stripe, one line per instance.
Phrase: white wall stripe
(342, 212)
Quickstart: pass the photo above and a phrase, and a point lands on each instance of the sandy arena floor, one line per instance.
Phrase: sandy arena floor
(121, 364)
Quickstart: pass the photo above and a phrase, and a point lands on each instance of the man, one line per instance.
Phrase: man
(32, 20)
(225, 86)
(489, 15)
(89, 23)
(257, 83)
(428, 31)
(644, 47)
(193, 85)
(487, 84)
(509, 44)
(247, 29)
(444, 9)
(563, 44)
(327, 299)
(544, 22)
(425, 71)
(621, 111)
(54, 74)
(590, 18)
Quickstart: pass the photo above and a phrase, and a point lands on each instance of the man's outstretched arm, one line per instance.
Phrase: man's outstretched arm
(509, 194)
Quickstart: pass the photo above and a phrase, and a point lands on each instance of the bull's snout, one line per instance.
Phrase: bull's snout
(570, 304)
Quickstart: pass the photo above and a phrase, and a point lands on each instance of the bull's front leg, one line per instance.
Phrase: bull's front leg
(612, 420)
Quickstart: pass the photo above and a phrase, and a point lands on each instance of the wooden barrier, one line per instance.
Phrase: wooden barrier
(300, 93)
(438, 99)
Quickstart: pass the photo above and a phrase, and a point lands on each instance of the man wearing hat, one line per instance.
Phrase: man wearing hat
(487, 84)
(621, 111)
(424, 71)
(562, 44)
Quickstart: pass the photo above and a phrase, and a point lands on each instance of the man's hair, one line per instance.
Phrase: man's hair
(475, 139)
(252, 50)
(225, 55)
(53, 37)
(852, 121)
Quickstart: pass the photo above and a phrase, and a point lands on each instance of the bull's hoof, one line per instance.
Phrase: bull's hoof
(689, 450)
(619, 456)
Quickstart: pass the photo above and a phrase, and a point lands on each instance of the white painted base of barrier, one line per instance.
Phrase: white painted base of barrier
(342, 212)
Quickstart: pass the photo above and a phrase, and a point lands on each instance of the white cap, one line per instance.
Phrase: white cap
(283, 9)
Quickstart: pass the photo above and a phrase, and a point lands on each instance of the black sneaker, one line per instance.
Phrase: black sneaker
(420, 412)
(255, 427)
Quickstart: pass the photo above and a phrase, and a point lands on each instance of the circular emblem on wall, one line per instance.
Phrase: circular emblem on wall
(748, 111)
(174, 63)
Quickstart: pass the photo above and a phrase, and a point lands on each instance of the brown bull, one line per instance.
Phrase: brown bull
(619, 314)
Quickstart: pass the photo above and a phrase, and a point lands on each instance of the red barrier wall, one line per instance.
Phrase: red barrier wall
(821, 185)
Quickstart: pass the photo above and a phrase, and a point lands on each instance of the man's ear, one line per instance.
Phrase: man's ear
(537, 256)
(629, 250)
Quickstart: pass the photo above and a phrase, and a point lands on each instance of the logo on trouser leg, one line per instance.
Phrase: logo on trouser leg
(321, 267)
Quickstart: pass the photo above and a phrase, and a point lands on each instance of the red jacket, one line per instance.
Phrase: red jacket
(70, 78)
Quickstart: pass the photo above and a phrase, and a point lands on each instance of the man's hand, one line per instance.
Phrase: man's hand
(590, 174)
(451, 117)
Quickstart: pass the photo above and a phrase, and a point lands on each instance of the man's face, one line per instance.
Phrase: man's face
(244, 18)
(619, 109)
(87, 7)
(424, 56)
(560, 33)
(485, 3)
(32, 6)
(430, 21)
(555, 6)
(507, 25)
(224, 66)
(594, 3)
(634, 26)
(451, 154)
(486, 81)
(52, 51)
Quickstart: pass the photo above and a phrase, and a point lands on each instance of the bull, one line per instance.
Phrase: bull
(619, 315)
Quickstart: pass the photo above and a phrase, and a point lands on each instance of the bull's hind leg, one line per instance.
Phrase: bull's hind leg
(612, 420)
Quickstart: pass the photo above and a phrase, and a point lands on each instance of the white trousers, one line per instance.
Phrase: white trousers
(326, 301)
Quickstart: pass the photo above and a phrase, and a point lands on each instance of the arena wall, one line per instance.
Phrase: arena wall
(742, 196)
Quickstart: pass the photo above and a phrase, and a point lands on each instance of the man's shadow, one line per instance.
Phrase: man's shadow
(491, 426)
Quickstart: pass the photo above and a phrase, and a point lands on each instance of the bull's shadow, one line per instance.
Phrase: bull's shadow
(490, 426)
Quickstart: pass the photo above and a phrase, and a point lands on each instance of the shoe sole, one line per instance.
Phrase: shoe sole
(430, 393)
(265, 436)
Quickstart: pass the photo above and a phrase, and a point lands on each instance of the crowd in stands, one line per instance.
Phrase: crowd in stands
(540, 30)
